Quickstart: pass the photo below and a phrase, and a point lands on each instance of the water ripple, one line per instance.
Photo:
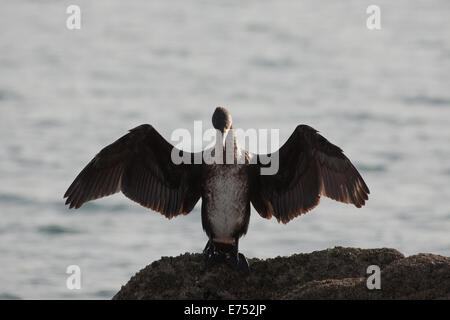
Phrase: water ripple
(8, 198)
(9, 296)
(54, 229)
(427, 100)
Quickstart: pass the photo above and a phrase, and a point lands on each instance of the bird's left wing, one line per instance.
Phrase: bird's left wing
(139, 164)
(309, 166)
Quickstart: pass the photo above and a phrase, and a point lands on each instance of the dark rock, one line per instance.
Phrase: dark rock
(338, 273)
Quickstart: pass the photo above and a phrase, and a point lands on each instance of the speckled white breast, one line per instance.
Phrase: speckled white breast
(226, 199)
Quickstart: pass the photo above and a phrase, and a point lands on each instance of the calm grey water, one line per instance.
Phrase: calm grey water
(383, 96)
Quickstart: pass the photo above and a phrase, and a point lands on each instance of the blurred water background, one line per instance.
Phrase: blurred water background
(383, 96)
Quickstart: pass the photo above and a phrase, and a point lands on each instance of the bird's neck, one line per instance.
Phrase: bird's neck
(227, 142)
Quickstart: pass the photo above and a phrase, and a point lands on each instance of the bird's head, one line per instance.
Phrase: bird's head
(221, 119)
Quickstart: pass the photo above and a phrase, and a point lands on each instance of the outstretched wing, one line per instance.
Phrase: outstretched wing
(139, 164)
(309, 166)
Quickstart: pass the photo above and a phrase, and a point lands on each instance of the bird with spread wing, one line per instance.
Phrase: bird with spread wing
(139, 165)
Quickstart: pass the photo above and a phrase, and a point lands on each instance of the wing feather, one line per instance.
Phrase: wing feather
(309, 166)
(139, 164)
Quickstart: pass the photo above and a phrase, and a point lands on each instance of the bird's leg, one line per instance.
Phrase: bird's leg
(239, 261)
(208, 253)
(208, 247)
(211, 255)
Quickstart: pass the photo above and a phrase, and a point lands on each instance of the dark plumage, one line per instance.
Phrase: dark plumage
(139, 164)
(310, 166)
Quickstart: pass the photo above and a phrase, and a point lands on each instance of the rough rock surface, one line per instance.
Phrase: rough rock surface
(338, 273)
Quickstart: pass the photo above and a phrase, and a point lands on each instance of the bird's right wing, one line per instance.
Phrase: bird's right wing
(139, 164)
